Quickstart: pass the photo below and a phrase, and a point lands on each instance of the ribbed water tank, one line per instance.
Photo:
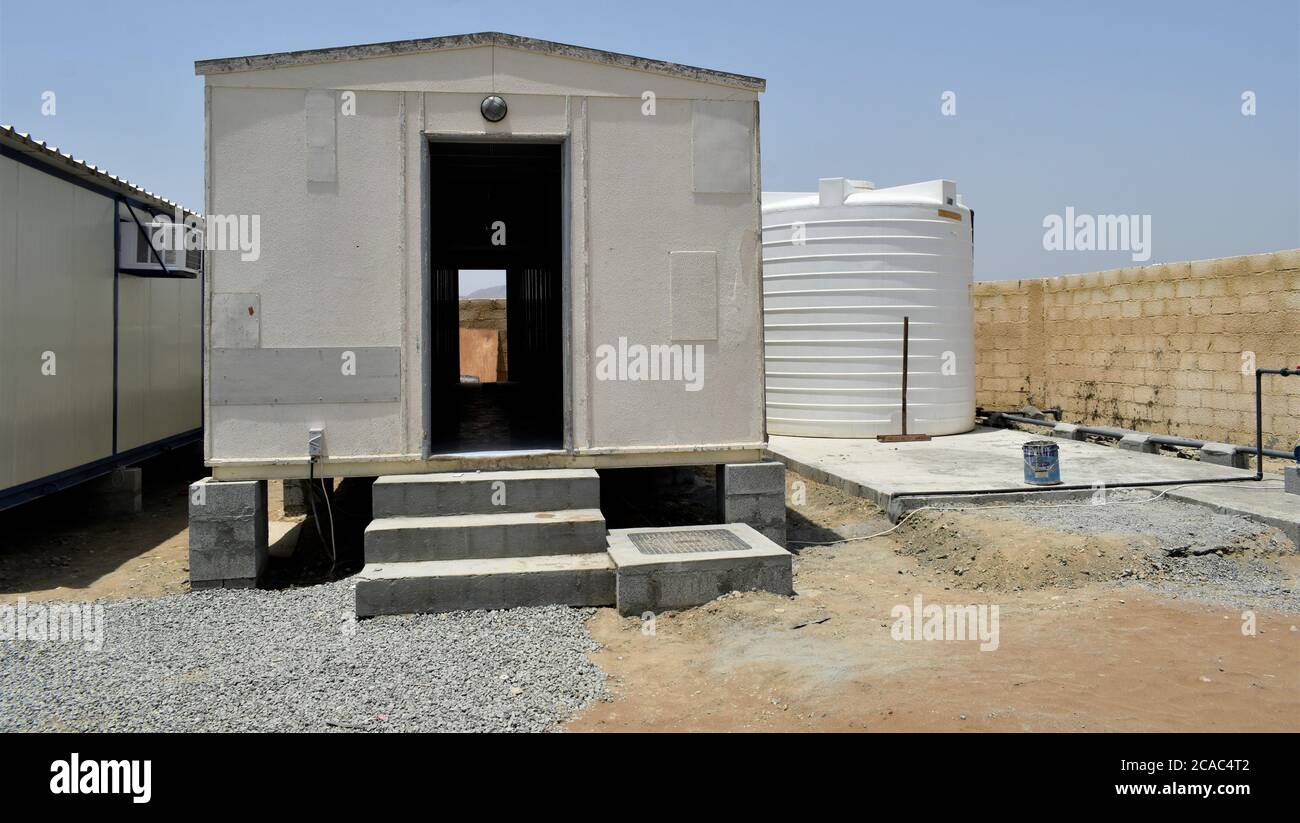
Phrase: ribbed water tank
(842, 267)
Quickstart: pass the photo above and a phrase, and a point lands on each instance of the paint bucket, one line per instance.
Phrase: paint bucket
(1042, 463)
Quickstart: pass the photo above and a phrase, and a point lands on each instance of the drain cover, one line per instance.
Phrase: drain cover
(690, 541)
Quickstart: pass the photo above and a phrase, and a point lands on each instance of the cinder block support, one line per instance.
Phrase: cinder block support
(228, 533)
(119, 492)
(754, 494)
(1138, 443)
(1291, 474)
(1224, 454)
(1068, 430)
(294, 498)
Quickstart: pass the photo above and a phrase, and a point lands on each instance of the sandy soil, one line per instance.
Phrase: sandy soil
(61, 548)
(1072, 654)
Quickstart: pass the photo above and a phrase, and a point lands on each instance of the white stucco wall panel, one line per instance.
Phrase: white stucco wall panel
(330, 270)
(451, 70)
(528, 114)
(343, 264)
(279, 433)
(641, 209)
(480, 70)
(526, 72)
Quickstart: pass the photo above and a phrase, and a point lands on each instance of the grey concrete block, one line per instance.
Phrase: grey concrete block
(240, 583)
(484, 536)
(1291, 477)
(294, 498)
(119, 492)
(751, 478)
(658, 582)
(753, 493)
(1224, 454)
(499, 583)
(1138, 443)
(448, 493)
(1068, 430)
(228, 532)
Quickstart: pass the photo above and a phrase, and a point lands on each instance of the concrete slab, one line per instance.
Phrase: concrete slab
(447, 493)
(986, 462)
(685, 566)
(483, 536)
(495, 583)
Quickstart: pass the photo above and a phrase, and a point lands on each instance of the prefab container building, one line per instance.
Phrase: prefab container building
(619, 194)
(99, 329)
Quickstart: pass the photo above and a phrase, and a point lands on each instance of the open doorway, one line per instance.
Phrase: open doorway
(495, 228)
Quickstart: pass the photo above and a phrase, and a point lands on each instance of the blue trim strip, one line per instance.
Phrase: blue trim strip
(71, 477)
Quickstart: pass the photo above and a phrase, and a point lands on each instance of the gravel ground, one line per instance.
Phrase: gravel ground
(1180, 528)
(1231, 581)
(296, 660)
(1204, 555)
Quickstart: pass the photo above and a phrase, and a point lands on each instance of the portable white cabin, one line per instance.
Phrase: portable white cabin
(620, 195)
(99, 348)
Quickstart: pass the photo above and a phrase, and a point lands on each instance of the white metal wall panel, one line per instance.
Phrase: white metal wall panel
(8, 314)
(158, 359)
(58, 298)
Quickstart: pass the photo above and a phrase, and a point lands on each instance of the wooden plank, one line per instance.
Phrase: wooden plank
(478, 354)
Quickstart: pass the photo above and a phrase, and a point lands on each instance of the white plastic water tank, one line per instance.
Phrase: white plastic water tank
(842, 267)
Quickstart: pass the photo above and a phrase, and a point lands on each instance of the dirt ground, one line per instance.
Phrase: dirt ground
(60, 547)
(1082, 645)
(1073, 654)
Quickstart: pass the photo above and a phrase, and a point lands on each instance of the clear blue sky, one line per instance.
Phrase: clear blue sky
(1109, 107)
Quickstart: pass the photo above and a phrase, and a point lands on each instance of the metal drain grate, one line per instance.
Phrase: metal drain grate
(687, 542)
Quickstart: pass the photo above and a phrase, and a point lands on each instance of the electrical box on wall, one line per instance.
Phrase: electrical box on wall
(315, 442)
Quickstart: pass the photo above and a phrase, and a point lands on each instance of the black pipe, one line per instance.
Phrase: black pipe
(1259, 415)
(1136, 484)
(1162, 439)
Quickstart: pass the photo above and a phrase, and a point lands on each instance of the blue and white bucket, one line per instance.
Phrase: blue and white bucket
(1042, 463)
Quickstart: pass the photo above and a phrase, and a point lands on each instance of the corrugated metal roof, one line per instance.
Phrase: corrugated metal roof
(51, 156)
(254, 62)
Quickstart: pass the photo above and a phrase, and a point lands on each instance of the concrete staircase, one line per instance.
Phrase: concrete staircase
(485, 540)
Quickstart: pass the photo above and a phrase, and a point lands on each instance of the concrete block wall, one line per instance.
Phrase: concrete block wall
(488, 313)
(1164, 348)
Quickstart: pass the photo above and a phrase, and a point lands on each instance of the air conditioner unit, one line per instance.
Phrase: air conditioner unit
(142, 244)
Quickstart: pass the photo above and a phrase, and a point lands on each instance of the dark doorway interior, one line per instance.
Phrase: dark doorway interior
(497, 206)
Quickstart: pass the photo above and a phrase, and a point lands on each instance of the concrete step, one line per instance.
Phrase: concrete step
(484, 536)
(499, 583)
(444, 493)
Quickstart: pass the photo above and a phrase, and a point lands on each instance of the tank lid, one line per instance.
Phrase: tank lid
(833, 191)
